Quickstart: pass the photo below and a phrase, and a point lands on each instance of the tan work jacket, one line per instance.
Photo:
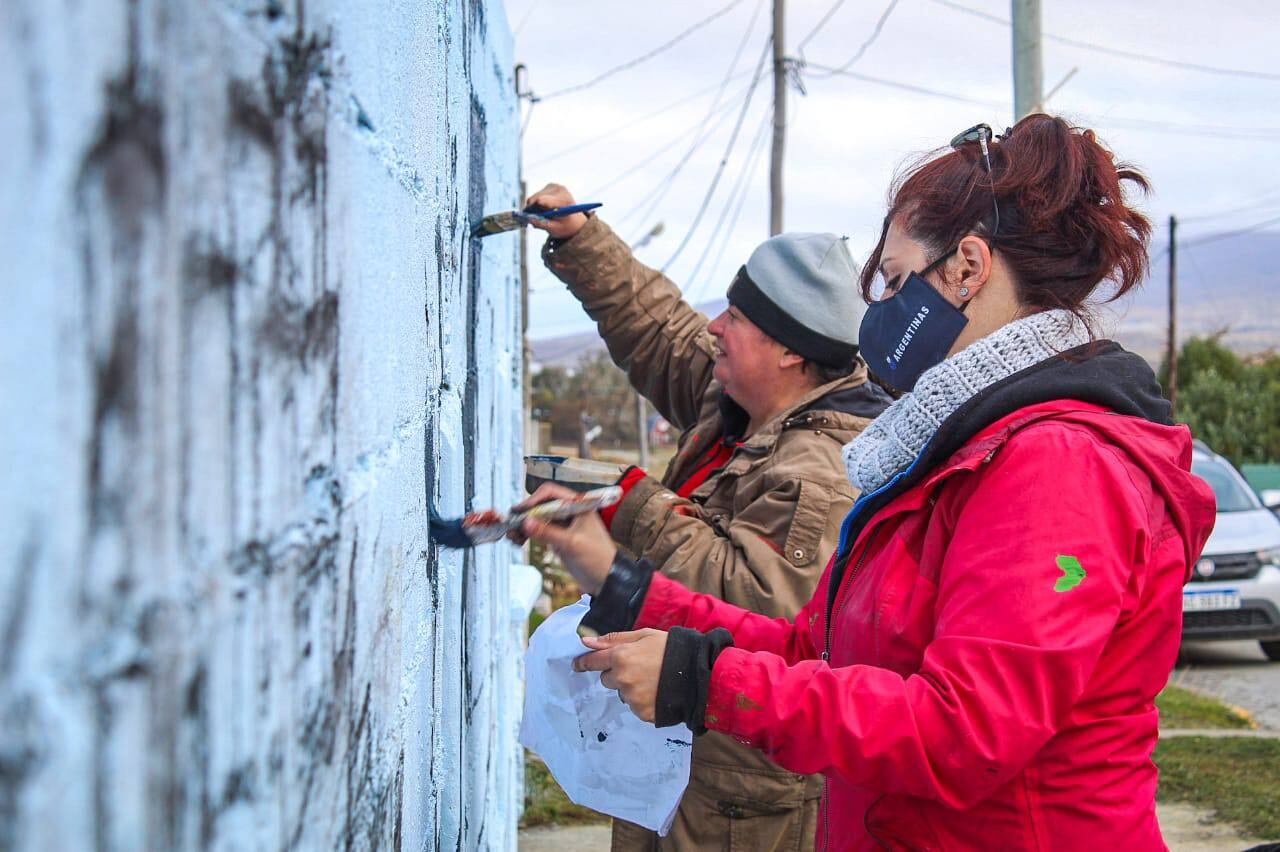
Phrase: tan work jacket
(759, 531)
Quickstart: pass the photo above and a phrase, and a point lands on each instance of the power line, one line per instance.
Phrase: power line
(723, 111)
(645, 206)
(715, 180)
(662, 48)
(528, 13)
(742, 198)
(1263, 202)
(835, 7)
(608, 134)
(747, 161)
(871, 39)
(1213, 131)
(663, 187)
(737, 211)
(907, 87)
(1227, 235)
(1115, 51)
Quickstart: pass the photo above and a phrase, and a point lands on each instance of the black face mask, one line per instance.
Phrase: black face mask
(909, 332)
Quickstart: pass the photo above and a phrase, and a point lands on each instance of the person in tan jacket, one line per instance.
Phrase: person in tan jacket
(765, 395)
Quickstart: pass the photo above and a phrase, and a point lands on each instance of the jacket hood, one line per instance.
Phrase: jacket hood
(1111, 381)
(1164, 455)
(1105, 375)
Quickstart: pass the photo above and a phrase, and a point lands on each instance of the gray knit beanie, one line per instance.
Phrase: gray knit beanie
(801, 290)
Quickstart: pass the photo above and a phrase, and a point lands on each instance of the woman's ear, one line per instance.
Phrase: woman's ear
(973, 258)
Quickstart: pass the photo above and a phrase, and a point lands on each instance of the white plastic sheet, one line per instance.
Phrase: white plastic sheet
(602, 756)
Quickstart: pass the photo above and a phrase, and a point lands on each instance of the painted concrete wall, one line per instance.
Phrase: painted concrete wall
(244, 342)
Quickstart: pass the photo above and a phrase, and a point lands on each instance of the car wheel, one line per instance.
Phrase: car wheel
(1272, 650)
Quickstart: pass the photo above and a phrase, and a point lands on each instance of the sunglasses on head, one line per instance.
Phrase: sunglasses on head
(981, 133)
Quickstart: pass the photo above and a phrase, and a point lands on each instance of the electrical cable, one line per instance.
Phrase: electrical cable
(1214, 131)
(737, 212)
(908, 87)
(647, 204)
(835, 7)
(662, 48)
(871, 39)
(608, 134)
(1114, 51)
(722, 112)
(1266, 201)
(715, 180)
(659, 192)
(739, 184)
(1227, 235)
(524, 20)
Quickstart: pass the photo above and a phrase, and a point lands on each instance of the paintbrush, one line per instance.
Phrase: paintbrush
(510, 220)
(484, 527)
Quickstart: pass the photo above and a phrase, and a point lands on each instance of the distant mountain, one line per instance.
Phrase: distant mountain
(1227, 285)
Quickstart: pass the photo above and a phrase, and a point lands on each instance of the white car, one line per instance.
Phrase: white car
(1234, 592)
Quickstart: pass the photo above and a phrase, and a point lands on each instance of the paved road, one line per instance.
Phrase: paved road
(1236, 672)
(575, 838)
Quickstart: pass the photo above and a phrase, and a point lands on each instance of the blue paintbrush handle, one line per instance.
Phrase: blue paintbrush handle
(572, 208)
(557, 212)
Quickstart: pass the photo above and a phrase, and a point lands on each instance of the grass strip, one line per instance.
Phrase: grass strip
(546, 804)
(1236, 778)
(1182, 708)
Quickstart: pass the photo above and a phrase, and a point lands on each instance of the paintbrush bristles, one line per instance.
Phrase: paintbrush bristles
(496, 223)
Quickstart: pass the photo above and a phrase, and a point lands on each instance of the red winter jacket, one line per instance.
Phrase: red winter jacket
(1001, 629)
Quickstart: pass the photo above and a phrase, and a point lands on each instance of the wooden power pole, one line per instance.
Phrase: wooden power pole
(1028, 65)
(779, 116)
(1171, 355)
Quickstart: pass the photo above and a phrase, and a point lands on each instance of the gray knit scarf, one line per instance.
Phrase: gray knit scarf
(896, 437)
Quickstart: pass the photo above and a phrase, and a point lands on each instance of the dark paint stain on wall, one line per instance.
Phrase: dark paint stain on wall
(252, 276)
(298, 332)
(471, 391)
(21, 724)
(119, 197)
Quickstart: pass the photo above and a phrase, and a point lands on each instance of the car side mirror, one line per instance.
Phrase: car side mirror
(1271, 498)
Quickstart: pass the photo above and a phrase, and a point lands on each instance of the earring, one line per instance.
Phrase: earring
(963, 291)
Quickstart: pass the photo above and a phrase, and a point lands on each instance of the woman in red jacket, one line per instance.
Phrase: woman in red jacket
(978, 667)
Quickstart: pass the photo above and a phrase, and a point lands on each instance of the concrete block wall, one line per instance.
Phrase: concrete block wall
(245, 342)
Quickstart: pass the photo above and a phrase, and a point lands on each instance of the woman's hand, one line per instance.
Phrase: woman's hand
(631, 663)
(583, 544)
(554, 195)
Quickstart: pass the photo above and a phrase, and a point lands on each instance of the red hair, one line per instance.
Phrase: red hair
(1065, 226)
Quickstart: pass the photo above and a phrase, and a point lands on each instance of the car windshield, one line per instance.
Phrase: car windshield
(1227, 490)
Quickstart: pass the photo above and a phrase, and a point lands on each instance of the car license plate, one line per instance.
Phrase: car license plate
(1210, 600)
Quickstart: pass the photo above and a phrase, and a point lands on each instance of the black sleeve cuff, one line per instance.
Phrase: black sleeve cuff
(685, 681)
(617, 606)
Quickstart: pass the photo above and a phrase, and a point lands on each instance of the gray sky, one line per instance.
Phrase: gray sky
(1210, 142)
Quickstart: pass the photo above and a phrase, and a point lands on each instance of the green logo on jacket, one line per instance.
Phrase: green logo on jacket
(1072, 574)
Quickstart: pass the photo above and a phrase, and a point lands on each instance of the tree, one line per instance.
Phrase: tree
(596, 386)
(1230, 403)
(547, 386)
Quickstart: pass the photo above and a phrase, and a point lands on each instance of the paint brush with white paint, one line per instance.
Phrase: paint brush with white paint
(490, 525)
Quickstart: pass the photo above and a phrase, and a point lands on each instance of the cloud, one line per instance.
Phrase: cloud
(847, 137)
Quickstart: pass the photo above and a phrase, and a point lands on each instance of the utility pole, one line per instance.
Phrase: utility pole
(1171, 356)
(1028, 65)
(528, 426)
(642, 431)
(779, 116)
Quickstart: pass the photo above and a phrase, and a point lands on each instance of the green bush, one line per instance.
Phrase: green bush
(1231, 404)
